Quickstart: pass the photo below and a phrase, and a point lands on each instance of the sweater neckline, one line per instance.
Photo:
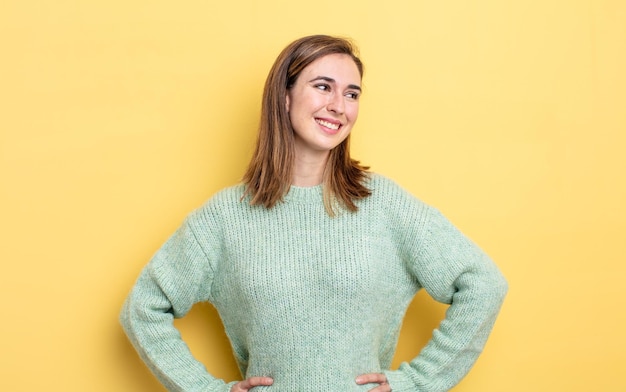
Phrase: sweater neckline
(304, 194)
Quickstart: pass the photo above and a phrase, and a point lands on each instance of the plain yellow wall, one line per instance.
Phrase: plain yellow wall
(120, 117)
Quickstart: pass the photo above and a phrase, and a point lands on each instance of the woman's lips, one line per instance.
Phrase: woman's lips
(329, 124)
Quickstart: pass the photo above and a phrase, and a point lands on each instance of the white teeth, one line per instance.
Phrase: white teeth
(328, 124)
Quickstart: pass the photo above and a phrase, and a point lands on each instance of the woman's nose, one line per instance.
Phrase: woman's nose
(336, 104)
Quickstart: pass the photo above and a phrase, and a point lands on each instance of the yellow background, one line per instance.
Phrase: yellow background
(120, 117)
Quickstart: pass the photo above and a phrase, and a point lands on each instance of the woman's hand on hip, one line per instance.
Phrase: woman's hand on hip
(249, 383)
(374, 378)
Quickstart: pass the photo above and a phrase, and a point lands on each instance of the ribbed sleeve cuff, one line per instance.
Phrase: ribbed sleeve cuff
(220, 386)
(399, 382)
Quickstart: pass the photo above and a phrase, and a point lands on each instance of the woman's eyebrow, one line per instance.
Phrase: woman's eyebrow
(331, 80)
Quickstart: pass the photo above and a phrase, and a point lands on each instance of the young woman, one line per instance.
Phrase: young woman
(312, 261)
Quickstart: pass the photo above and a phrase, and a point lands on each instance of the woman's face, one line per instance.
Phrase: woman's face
(323, 104)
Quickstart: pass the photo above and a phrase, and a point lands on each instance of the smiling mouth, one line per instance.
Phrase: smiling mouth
(328, 124)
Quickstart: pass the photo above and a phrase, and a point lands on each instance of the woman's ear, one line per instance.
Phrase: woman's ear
(287, 102)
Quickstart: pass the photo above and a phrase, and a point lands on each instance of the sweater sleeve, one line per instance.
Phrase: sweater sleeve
(178, 276)
(453, 270)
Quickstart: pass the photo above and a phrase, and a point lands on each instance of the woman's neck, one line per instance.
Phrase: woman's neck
(309, 170)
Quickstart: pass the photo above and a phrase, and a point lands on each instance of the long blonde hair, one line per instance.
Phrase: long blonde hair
(269, 172)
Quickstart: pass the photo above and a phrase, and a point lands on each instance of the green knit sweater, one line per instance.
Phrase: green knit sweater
(313, 300)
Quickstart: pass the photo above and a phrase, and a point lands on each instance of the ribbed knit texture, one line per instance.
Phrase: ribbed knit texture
(313, 300)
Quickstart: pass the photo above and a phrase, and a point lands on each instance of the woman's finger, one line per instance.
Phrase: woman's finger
(249, 383)
(374, 378)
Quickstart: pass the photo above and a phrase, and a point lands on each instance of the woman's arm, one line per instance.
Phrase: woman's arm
(178, 276)
(455, 271)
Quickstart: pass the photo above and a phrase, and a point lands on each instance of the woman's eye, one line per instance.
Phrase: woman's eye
(352, 95)
(323, 87)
